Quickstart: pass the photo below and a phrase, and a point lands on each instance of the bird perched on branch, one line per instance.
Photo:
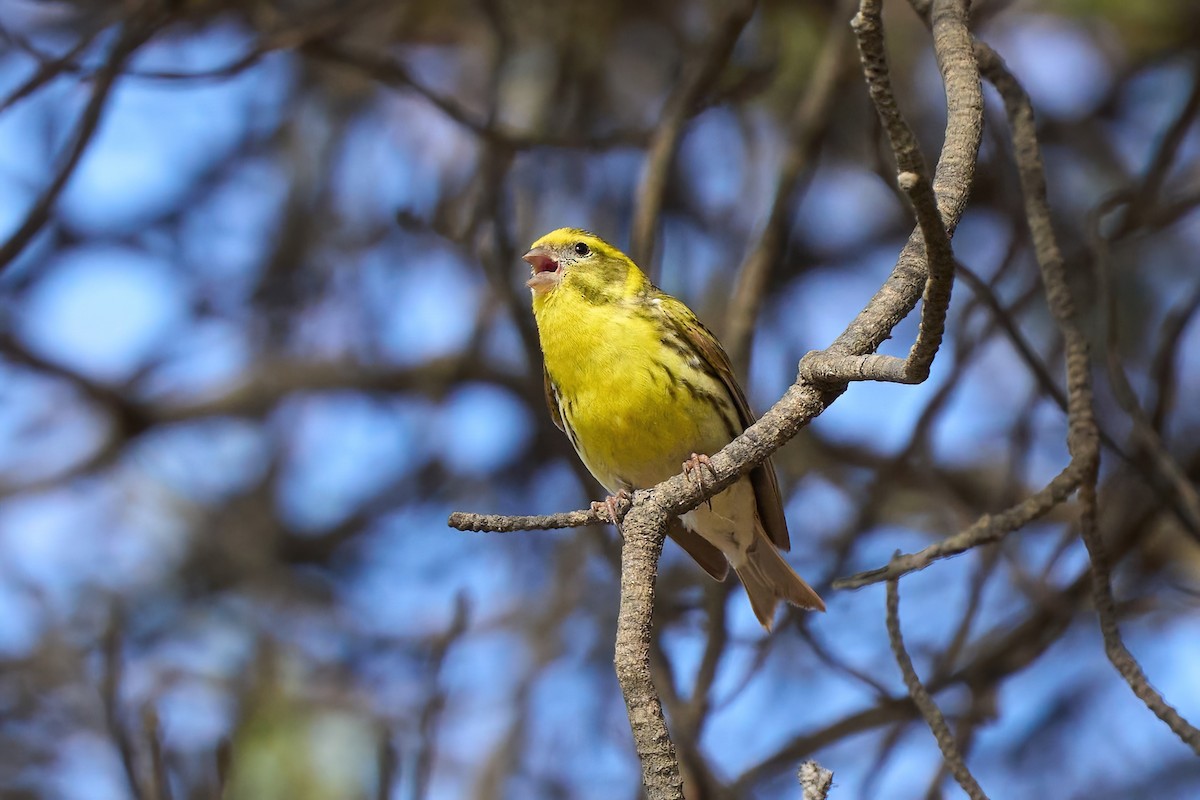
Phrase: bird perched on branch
(643, 389)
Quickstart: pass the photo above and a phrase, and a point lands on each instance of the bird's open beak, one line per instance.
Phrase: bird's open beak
(547, 271)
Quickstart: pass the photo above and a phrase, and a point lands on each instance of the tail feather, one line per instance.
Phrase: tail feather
(768, 579)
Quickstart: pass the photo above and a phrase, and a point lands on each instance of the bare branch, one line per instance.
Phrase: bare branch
(110, 696)
(435, 695)
(391, 72)
(158, 758)
(1114, 647)
(1141, 199)
(1011, 650)
(1143, 433)
(1163, 364)
(989, 528)
(932, 259)
(1083, 438)
(499, 523)
(815, 781)
(920, 695)
(803, 401)
(47, 71)
(952, 184)
(644, 531)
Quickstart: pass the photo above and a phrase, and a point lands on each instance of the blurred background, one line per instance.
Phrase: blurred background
(263, 325)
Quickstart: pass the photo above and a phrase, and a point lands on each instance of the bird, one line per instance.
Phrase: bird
(644, 390)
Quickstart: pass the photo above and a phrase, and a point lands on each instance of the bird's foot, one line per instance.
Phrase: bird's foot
(610, 507)
(694, 468)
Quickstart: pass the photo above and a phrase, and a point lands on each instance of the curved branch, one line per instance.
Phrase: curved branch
(1083, 436)
(924, 701)
(937, 208)
(987, 529)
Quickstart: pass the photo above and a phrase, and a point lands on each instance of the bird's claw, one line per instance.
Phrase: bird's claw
(694, 468)
(609, 507)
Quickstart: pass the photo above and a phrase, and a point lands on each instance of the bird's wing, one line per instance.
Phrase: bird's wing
(762, 477)
(552, 400)
(706, 554)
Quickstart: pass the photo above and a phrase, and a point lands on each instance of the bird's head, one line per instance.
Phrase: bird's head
(583, 263)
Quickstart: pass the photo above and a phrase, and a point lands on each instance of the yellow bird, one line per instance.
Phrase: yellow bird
(643, 389)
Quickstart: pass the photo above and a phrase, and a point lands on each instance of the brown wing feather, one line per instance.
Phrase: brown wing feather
(705, 554)
(552, 400)
(762, 477)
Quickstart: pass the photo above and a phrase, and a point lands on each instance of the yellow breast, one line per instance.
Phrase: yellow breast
(635, 408)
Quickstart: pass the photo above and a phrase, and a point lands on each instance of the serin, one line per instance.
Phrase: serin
(643, 389)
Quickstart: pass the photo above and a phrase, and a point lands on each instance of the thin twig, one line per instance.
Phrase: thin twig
(1010, 651)
(158, 758)
(1114, 646)
(1143, 196)
(716, 595)
(1163, 366)
(110, 695)
(1082, 437)
(925, 703)
(1019, 342)
(391, 72)
(926, 265)
(500, 523)
(1143, 433)
(987, 529)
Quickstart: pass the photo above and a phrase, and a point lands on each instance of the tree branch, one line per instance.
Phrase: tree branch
(987, 529)
(926, 264)
(644, 530)
(815, 781)
(924, 701)
(1083, 436)
(803, 401)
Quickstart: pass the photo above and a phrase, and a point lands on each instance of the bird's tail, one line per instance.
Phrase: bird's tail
(768, 579)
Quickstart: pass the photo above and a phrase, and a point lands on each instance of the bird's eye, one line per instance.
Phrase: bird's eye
(582, 249)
